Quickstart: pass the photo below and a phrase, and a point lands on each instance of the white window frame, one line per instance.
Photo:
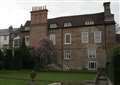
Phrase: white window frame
(52, 37)
(5, 37)
(27, 42)
(91, 52)
(89, 65)
(53, 25)
(66, 34)
(89, 22)
(83, 36)
(67, 54)
(97, 36)
(67, 24)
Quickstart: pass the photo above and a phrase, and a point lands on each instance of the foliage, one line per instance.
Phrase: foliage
(1, 59)
(113, 67)
(21, 58)
(27, 58)
(45, 53)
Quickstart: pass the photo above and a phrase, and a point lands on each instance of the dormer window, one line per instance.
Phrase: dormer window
(67, 24)
(53, 25)
(89, 22)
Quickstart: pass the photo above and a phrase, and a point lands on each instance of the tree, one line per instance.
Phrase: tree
(44, 54)
(8, 58)
(1, 59)
(22, 58)
(113, 67)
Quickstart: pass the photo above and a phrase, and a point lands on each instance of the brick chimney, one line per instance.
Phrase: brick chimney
(38, 28)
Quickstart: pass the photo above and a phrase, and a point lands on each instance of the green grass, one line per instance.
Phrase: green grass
(43, 77)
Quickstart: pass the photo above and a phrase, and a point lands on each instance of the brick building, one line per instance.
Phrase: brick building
(82, 41)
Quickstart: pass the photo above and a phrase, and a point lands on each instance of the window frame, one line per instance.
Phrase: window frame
(5, 37)
(27, 42)
(66, 34)
(66, 54)
(90, 66)
(54, 25)
(67, 24)
(52, 37)
(92, 51)
(96, 40)
(83, 37)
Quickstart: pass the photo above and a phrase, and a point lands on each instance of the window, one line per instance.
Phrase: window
(67, 38)
(91, 65)
(5, 37)
(27, 40)
(52, 38)
(91, 53)
(67, 54)
(5, 46)
(89, 22)
(53, 25)
(84, 37)
(17, 43)
(97, 37)
(68, 24)
(27, 28)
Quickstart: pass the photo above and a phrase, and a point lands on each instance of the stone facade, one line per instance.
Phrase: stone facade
(78, 55)
(82, 41)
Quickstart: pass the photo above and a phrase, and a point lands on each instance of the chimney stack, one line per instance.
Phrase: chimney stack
(107, 8)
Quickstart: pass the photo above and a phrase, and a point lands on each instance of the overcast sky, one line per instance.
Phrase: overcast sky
(16, 12)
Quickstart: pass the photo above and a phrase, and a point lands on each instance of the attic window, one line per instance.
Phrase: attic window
(53, 25)
(89, 22)
(67, 24)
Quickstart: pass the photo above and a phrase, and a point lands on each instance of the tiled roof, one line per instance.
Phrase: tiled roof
(76, 20)
(4, 32)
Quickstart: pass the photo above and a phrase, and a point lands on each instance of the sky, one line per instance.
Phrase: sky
(17, 12)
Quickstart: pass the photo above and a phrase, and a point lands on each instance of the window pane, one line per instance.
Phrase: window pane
(84, 37)
(53, 25)
(97, 37)
(91, 53)
(67, 38)
(92, 65)
(5, 37)
(68, 24)
(52, 38)
(67, 54)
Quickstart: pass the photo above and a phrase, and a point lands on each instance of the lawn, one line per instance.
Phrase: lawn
(22, 77)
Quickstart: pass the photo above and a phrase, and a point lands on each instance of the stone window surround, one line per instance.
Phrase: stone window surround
(52, 37)
(84, 37)
(67, 54)
(97, 36)
(91, 52)
(53, 25)
(90, 65)
(67, 24)
(65, 38)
